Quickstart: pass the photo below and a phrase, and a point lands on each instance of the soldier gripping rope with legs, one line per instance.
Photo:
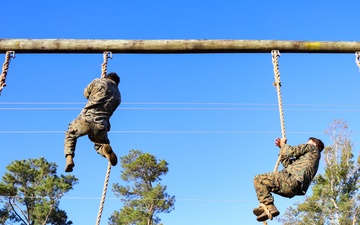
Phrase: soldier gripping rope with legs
(103, 98)
(300, 166)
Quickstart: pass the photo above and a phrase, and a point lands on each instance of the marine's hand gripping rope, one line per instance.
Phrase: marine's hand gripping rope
(106, 55)
(5, 68)
(275, 60)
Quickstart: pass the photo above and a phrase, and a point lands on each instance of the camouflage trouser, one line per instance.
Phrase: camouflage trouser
(97, 133)
(281, 183)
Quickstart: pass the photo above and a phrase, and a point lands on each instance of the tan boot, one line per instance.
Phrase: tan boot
(261, 214)
(69, 163)
(273, 210)
(109, 154)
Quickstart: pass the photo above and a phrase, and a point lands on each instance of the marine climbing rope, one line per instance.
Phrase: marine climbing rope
(106, 55)
(275, 61)
(8, 56)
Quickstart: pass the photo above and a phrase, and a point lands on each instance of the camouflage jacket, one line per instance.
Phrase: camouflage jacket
(302, 162)
(103, 98)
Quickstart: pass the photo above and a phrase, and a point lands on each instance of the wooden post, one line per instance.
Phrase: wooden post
(173, 46)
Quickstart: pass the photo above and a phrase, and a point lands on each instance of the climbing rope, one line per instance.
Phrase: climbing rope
(275, 60)
(104, 193)
(357, 59)
(267, 212)
(5, 68)
(106, 55)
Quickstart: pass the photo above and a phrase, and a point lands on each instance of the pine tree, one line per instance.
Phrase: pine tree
(31, 191)
(146, 197)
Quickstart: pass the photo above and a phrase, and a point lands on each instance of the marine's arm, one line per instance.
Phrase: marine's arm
(294, 151)
(88, 89)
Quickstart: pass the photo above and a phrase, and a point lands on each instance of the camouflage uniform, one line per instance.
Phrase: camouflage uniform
(300, 166)
(103, 98)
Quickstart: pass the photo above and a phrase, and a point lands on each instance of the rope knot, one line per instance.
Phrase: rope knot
(276, 83)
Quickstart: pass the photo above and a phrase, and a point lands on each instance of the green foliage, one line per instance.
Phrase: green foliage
(146, 197)
(31, 192)
(335, 194)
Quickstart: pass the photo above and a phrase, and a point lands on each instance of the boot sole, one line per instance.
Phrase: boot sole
(262, 217)
(258, 211)
(274, 214)
(69, 167)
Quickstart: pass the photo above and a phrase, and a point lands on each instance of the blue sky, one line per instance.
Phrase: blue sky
(212, 117)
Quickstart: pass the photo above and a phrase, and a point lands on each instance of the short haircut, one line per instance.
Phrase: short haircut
(114, 77)
(318, 143)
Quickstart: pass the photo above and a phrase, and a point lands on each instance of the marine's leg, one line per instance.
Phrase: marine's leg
(281, 183)
(265, 184)
(102, 143)
(77, 128)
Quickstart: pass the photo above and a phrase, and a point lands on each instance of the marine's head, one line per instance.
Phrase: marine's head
(317, 142)
(114, 77)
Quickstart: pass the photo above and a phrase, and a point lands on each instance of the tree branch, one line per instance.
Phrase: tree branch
(16, 211)
(50, 211)
(336, 210)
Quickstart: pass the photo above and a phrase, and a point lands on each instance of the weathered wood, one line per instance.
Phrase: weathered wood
(173, 46)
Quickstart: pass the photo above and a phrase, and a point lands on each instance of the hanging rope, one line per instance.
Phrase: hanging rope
(357, 59)
(106, 55)
(267, 213)
(5, 68)
(104, 193)
(275, 60)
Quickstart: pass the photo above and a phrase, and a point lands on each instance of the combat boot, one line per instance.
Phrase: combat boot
(109, 154)
(258, 211)
(69, 163)
(261, 214)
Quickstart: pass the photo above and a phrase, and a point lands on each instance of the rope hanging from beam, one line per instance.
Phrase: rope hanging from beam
(8, 55)
(102, 202)
(106, 55)
(275, 60)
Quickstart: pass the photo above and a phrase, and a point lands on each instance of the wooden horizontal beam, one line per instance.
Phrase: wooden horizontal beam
(173, 46)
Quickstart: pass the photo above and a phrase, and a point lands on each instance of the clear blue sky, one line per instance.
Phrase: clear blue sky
(213, 150)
